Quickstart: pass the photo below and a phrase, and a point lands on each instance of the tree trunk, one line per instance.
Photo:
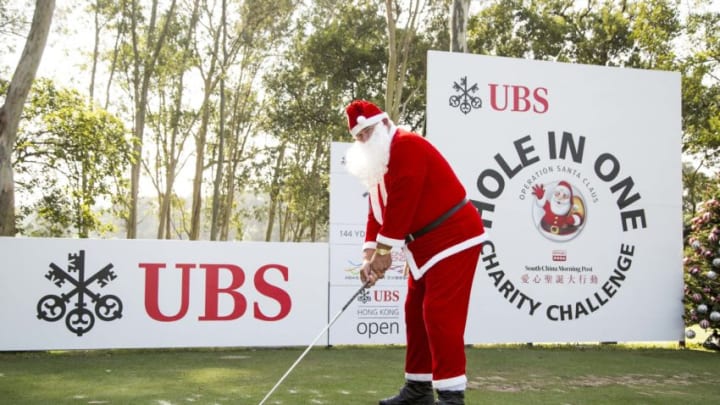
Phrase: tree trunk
(200, 142)
(145, 63)
(174, 145)
(236, 153)
(217, 183)
(274, 194)
(399, 54)
(391, 85)
(11, 111)
(458, 25)
(113, 64)
(95, 54)
(210, 81)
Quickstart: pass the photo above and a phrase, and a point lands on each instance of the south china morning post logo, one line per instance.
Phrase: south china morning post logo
(558, 179)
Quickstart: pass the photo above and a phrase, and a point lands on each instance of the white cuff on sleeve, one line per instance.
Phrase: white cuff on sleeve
(390, 241)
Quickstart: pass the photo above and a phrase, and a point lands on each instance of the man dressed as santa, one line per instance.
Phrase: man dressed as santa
(561, 215)
(418, 204)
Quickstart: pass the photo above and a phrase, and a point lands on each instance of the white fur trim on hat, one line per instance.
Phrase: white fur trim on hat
(363, 122)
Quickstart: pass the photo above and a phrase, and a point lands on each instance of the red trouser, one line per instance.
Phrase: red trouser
(436, 311)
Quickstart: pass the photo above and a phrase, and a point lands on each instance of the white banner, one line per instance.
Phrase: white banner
(87, 294)
(577, 172)
(377, 316)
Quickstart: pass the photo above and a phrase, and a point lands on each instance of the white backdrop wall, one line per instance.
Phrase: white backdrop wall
(611, 134)
(86, 294)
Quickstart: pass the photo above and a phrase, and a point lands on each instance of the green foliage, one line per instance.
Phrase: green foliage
(493, 30)
(342, 59)
(701, 87)
(702, 265)
(68, 158)
(655, 29)
(698, 187)
(339, 53)
(633, 33)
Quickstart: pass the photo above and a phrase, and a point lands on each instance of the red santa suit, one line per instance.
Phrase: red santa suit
(418, 188)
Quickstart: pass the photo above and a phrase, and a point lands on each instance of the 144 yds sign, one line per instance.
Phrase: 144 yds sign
(560, 184)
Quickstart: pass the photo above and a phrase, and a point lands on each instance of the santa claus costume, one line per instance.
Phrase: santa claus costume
(420, 206)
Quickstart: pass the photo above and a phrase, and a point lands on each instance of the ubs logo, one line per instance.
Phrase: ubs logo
(503, 97)
(379, 295)
(465, 101)
(79, 319)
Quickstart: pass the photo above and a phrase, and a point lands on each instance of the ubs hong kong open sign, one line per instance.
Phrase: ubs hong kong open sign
(576, 170)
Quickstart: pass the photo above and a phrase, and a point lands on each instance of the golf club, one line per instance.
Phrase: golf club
(332, 321)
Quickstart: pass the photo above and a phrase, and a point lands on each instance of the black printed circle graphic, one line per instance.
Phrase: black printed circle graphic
(50, 308)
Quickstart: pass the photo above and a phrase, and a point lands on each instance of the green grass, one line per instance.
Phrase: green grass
(563, 375)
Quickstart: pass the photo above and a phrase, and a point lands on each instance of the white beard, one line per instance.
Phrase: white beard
(560, 207)
(368, 161)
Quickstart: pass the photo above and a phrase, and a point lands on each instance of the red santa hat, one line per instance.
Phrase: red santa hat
(566, 186)
(361, 114)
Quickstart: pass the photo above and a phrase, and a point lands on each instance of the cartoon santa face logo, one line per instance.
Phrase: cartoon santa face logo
(559, 210)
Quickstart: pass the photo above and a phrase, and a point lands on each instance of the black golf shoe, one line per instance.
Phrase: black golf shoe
(451, 398)
(412, 393)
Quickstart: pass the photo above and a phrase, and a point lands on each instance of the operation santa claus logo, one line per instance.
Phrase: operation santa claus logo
(573, 214)
(559, 216)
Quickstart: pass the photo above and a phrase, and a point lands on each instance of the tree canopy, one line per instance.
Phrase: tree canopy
(213, 120)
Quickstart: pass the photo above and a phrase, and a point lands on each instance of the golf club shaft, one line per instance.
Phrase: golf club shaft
(332, 321)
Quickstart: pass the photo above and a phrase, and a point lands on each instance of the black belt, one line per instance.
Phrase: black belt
(432, 225)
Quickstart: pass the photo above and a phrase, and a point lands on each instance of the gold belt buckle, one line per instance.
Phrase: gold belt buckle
(555, 229)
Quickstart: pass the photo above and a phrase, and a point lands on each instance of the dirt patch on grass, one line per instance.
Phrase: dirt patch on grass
(535, 383)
